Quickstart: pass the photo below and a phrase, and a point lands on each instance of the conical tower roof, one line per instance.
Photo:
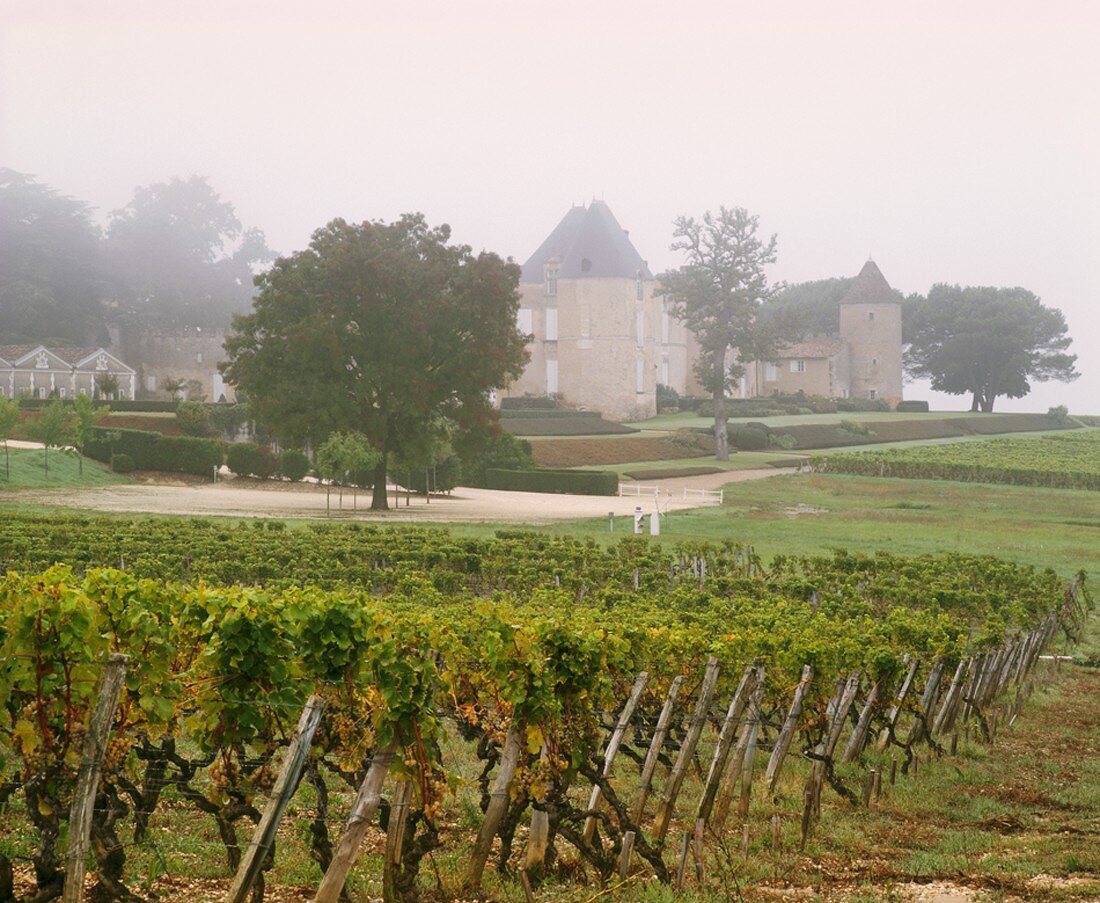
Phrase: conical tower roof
(588, 243)
(870, 287)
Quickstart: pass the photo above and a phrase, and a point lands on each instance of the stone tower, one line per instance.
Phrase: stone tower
(870, 322)
(600, 339)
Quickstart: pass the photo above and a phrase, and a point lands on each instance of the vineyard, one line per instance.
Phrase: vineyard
(552, 707)
(1068, 461)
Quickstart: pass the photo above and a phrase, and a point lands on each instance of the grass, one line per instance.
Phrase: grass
(689, 420)
(27, 471)
(812, 514)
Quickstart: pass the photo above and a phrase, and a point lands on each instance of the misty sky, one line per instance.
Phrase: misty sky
(955, 142)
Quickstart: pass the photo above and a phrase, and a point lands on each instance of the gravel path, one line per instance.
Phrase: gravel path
(237, 499)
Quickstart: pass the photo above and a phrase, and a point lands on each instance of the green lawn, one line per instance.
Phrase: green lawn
(27, 471)
(738, 461)
(688, 420)
(812, 513)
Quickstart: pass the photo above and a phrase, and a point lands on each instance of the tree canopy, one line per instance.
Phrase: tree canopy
(718, 294)
(181, 254)
(53, 274)
(985, 342)
(384, 329)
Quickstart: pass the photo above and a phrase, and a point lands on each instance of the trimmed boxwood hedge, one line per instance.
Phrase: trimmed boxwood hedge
(665, 473)
(123, 404)
(152, 451)
(574, 482)
(912, 407)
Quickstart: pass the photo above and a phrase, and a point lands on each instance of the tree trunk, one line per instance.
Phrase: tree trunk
(721, 435)
(974, 404)
(379, 502)
(987, 402)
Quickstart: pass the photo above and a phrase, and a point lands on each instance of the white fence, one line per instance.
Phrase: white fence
(638, 490)
(705, 495)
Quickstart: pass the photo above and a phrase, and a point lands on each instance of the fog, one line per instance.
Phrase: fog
(954, 143)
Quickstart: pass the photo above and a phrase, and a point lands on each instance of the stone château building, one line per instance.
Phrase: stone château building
(601, 339)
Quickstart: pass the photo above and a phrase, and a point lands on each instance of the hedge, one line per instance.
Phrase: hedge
(749, 439)
(134, 407)
(524, 402)
(573, 425)
(523, 414)
(152, 451)
(912, 407)
(665, 473)
(574, 482)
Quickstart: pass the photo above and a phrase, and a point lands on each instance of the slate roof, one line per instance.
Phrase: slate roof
(819, 347)
(12, 353)
(589, 243)
(870, 287)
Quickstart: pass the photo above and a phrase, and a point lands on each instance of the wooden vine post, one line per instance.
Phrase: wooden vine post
(786, 734)
(362, 811)
(858, 738)
(264, 836)
(899, 701)
(725, 742)
(654, 751)
(87, 779)
(498, 805)
(687, 750)
(395, 839)
(732, 778)
(612, 750)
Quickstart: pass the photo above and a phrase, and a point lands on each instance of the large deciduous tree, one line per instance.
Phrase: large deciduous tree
(52, 276)
(985, 342)
(381, 329)
(718, 294)
(182, 256)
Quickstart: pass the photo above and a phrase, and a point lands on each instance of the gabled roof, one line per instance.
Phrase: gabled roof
(818, 347)
(13, 353)
(870, 287)
(588, 243)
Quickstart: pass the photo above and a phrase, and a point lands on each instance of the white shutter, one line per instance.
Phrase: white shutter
(551, 377)
(639, 375)
(551, 324)
(525, 321)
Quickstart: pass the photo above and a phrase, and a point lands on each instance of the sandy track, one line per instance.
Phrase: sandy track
(229, 500)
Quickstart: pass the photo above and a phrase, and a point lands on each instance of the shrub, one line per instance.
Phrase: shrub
(293, 464)
(442, 478)
(152, 451)
(1059, 414)
(122, 463)
(749, 439)
(503, 452)
(783, 440)
(862, 404)
(665, 473)
(526, 402)
(912, 407)
(193, 418)
(267, 465)
(667, 397)
(243, 458)
(576, 482)
(854, 427)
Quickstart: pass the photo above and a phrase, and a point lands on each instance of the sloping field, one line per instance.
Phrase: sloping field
(1070, 461)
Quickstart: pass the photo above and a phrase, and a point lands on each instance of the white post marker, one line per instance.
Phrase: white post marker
(655, 524)
(639, 520)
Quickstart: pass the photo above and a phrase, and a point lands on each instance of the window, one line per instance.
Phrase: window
(874, 360)
(664, 373)
(771, 373)
(551, 324)
(872, 393)
(551, 377)
(870, 315)
(525, 321)
(198, 358)
(639, 327)
(83, 391)
(43, 392)
(843, 393)
(62, 392)
(551, 281)
(639, 375)
(798, 366)
(151, 382)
